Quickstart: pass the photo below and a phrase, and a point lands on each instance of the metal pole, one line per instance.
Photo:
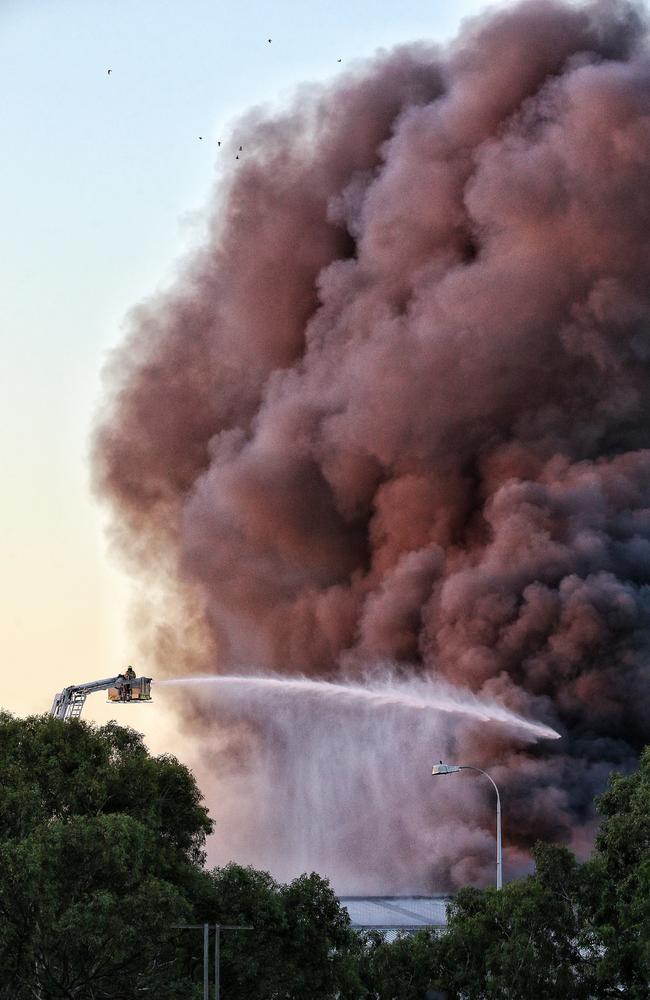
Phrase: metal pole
(499, 855)
(217, 983)
(206, 952)
(206, 958)
(470, 767)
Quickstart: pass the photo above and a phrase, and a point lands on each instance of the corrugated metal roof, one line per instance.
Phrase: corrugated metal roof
(396, 912)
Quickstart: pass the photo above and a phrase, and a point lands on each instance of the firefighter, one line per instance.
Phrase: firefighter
(121, 687)
(129, 677)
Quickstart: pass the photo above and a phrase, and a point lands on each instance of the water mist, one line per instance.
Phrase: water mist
(328, 770)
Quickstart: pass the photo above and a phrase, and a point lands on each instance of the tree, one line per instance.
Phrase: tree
(319, 943)
(514, 944)
(619, 899)
(302, 947)
(403, 969)
(52, 771)
(100, 853)
(522, 941)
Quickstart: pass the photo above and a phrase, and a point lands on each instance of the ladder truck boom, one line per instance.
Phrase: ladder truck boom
(123, 688)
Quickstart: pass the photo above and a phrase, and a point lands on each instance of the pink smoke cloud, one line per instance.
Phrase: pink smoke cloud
(396, 408)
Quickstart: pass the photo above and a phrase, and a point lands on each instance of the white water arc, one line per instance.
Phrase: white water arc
(418, 696)
(304, 775)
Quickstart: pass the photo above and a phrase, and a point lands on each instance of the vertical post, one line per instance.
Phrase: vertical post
(451, 769)
(217, 981)
(499, 854)
(206, 958)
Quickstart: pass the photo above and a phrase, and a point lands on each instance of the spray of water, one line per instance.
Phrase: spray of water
(304, 774)
(418, 696)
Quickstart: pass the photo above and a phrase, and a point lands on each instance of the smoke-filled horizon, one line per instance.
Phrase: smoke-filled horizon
(396, 409)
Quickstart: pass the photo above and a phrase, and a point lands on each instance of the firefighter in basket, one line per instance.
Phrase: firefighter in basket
(129, 677)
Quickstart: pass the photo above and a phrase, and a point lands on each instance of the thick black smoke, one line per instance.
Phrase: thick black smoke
(398, 409)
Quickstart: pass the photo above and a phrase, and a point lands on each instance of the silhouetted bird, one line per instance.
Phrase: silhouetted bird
(109, 72)
(269, 41)
(237, 157)
(240, 148)
(338, 60)
(218, 142)
(200, 137)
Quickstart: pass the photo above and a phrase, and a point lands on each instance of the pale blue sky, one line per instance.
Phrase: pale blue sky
(102, 184)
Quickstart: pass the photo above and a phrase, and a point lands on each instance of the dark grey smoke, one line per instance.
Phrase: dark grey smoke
(397, 409)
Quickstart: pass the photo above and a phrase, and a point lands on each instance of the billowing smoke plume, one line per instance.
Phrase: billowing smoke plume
(397, 409)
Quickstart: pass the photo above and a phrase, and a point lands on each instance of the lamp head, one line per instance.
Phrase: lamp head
(444, 768)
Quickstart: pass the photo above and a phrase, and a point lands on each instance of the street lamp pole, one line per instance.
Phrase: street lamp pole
(451, 769)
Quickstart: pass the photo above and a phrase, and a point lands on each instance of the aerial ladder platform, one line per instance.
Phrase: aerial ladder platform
(124, 689)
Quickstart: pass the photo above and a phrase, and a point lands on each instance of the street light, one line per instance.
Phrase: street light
(451, 769)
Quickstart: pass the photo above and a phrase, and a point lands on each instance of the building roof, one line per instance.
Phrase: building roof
(396, 912)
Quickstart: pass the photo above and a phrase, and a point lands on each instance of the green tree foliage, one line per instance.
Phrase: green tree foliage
(52, 771)
(302, 947)
(406, 968)
(100, 846)
(523, 941)
(102, 853)
(619, 902)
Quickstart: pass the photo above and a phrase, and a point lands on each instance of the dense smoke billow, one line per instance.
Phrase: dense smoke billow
(396, 409)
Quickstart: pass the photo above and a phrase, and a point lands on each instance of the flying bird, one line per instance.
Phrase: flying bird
(200, 137)
(237, 157)
(338, 60)
(240, 148)
(218, 142)
(109, 72)
(269, 41)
